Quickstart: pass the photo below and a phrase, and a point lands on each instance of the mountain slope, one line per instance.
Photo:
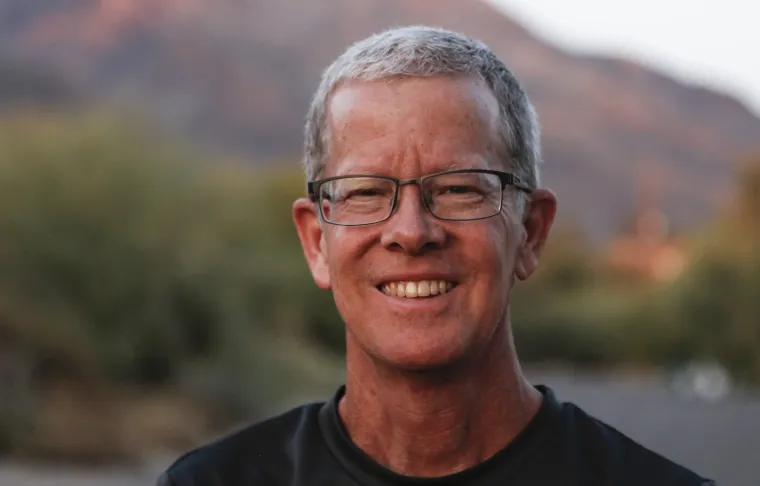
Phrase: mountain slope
(239, 74)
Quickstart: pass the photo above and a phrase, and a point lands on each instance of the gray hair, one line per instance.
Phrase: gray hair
(419, 51)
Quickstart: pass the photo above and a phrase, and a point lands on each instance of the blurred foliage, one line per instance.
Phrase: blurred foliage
(129, 260)
(713, 311)
(575, 312)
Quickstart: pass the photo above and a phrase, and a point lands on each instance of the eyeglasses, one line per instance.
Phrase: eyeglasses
(456, 195)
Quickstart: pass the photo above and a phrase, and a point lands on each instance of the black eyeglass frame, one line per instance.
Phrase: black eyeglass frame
(507, 179)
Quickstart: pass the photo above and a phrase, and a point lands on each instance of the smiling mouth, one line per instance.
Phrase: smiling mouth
(416, 290)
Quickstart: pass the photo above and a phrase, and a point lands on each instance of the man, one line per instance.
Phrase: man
(424, 209)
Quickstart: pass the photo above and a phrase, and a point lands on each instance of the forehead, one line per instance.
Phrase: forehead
(403, 124)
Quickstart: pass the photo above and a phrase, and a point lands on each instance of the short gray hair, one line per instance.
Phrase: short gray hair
(419, 51)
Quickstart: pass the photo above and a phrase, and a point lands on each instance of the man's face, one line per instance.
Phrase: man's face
(408, 128)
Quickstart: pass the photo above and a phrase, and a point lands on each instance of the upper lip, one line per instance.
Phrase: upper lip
(416, 277)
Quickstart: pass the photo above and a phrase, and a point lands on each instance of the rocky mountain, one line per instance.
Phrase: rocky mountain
(238, 75)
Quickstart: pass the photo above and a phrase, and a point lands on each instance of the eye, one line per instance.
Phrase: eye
(366, 192)
(459, 189)
(359, 190)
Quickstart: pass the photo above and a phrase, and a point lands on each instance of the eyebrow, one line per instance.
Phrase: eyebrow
(450, 166)
(477, 163)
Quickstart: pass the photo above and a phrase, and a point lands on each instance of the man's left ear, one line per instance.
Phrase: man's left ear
(537, 222)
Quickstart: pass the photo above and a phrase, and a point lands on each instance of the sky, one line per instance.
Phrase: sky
(704, 42)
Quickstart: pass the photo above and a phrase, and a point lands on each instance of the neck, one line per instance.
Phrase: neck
(435, 423)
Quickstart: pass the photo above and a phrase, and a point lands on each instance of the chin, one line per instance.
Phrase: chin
(420, 358)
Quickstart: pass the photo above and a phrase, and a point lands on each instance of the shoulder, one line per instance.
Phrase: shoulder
(237, 458)
(610, 453)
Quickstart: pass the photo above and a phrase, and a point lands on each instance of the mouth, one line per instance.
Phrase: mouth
(420, 289)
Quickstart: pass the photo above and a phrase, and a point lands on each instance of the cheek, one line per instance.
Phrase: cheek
(345, 250)
(492, 255)
(501, 242)
(496, 267)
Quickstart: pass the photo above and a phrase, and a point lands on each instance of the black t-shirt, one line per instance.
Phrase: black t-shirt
(309, 446)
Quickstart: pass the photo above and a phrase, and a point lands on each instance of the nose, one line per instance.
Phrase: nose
(411, 228)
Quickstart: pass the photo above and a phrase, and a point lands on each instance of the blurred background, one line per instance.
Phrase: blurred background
(153, 294)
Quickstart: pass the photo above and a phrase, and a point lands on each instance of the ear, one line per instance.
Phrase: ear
(537, 223)
(309, 230)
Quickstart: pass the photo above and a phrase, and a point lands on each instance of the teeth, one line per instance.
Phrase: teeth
(413, 290)
(423, 289)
